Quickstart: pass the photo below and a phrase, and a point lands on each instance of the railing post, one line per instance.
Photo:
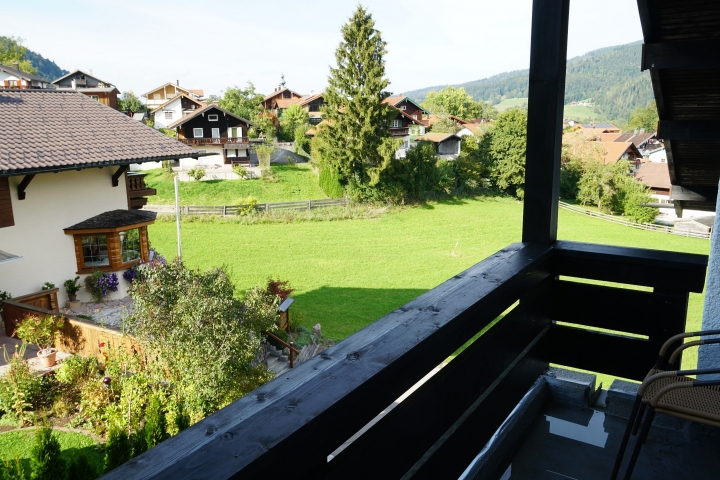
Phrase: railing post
(292, 345)
(546, 98)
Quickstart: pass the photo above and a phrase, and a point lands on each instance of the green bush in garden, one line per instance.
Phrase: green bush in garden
(45, 459)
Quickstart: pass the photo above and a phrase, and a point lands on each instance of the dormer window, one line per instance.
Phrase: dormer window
(212, 118)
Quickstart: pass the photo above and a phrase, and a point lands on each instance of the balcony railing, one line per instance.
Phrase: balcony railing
(241, 141)
(520, 295)
(137, 192)
(399, 132)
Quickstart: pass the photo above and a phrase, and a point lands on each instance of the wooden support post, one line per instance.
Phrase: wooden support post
(546, 99)
(117, 174)
(23, 185)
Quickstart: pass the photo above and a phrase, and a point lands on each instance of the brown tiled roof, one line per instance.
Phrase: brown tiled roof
(199, 111)
(286, 102)
(268, 97)
(49, 130)
(309, 98)
(615, 150)
(436, 137)
(637, 139)
(115, 219)
(477, 128)
(608, 137)
(654, 175)
(87, 90)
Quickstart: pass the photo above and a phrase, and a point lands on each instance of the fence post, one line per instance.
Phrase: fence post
(224, 210)
(267, 207)
(309, 204)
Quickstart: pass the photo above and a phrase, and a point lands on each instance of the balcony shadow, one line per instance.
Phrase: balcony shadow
(342, 311)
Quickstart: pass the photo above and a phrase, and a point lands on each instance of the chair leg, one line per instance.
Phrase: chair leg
(626, 436)
(641, 439)
(638, 419)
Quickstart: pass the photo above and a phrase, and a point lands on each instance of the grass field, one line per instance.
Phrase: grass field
(296, 183)
(574, 112)
(19, 443)
(349, 273)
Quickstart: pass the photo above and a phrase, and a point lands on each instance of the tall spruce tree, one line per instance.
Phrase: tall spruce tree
(356, 137)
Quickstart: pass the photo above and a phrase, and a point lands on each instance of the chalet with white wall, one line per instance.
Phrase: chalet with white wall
(159, 95)
(13, 77)
(87, 84)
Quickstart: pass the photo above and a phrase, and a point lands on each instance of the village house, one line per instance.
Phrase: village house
(643, 141)
(67, 207)
(280, 99)
(212, 129)
(15, 78)
(93, 87)
(409, 107)
(613, 152)
(160, 95)
(447, 145)
(312, 104)
(174, 109)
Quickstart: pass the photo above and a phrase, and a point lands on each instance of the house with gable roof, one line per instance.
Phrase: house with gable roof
(160, 95)
(212, 129)
(13, 77)
(87, 84)
(409, 107)
(174, 109)
(66, 200)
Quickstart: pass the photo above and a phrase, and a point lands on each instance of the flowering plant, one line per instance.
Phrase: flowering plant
(99, 284)
(130, 274)
(40, 330)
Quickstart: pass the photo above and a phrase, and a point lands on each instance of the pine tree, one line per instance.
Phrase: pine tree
(45, 457)
(155, 425)
(356, 130)
(117, 448)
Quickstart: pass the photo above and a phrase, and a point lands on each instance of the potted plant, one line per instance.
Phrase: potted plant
(72, 287)
(40, 330)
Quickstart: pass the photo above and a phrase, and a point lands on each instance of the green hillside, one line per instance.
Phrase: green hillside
(46, 69)
(611, 77)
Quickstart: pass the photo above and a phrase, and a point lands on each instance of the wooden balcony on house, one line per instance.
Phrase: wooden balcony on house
(399, 132)
(240, 142)
(137, 191)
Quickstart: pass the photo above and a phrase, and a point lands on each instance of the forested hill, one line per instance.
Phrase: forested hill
(46, 69)
(611, 77)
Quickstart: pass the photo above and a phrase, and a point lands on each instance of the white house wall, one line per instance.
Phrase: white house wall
(55, 201)
(176, 107)
(188, 163)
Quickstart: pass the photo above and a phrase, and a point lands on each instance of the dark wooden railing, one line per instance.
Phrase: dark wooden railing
(241, 141)
(45, 299)
(293, 351)
(536, 313)
(399, 132)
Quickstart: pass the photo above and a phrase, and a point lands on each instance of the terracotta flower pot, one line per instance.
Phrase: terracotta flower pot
(72, 297)
(47, 359)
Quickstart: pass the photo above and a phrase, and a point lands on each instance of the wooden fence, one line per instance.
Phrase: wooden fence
(631, 224)
(230, 210)
(78, 336)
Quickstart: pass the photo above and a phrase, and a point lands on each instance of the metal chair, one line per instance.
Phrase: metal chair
(674, 393)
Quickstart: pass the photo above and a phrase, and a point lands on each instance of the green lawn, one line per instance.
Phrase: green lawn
(510, 103)
(349, 273)
(19, 443)
(296, 183)
(581, 113)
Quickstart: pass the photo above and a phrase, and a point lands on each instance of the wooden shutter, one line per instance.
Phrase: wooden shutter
(6, 212)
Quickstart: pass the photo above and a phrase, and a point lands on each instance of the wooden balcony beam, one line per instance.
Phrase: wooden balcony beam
(116, 176)
(23, 185)
(686, 54)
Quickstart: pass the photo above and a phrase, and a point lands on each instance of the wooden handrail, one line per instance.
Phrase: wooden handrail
(289, 346)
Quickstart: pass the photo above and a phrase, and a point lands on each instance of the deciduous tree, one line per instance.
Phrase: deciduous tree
(504, 146)
(129, 102)
(456, 101)
(292, 118)
(243, 102)
(646, 118)
(12, 51)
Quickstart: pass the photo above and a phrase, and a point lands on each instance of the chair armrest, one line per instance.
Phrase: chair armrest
(680, 336)
(694, 343)
(675, 373)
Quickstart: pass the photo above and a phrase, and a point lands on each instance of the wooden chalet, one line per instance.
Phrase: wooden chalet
(160, 95)
(69, 208)
(13, 77)
(613, 152)
(174, 109)
(213, 129)
(409, 107)
(104, 92)
(387, 403)
(281, 98)
(312, 104)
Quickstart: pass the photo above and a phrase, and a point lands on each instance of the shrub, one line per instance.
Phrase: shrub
(290, 160)
(99, 284)
(247, 205)
(330, 182)
(20, 389)
(281, 288)
(79, 468)
(264, 153)
(12, 470)
(155, 430)
(45, 459)
(241, 171)
(76, 370)
(181, 314)
(47, 286)
(197, 173)
(117, 448)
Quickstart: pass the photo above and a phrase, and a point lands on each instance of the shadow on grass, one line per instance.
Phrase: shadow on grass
(342, 311)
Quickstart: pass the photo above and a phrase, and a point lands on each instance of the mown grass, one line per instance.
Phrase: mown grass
(295, 183)
(510, 103)
(19, 443)
(349, 273)
(580, 113)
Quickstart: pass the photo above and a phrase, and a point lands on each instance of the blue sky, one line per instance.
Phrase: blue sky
(138, 45)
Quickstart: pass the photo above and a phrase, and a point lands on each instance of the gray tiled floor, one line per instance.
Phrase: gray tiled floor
(573, 443)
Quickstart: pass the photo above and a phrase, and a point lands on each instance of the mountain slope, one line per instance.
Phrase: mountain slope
(46, 69)
(610, 76)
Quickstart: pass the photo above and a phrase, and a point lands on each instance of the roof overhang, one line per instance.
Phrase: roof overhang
(66, 168)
